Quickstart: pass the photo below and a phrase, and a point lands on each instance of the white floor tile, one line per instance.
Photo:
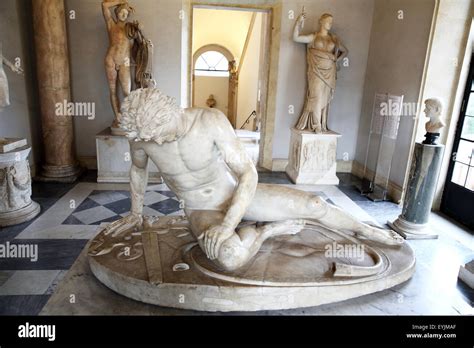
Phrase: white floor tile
(28, 282)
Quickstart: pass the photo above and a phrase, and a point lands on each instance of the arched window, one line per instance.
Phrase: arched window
(211, 63)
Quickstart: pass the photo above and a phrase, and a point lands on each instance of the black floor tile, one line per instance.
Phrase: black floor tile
(53, 254)
(167, 206)
(274, 178)
(120, 207)
(353, 193)
(22, 304)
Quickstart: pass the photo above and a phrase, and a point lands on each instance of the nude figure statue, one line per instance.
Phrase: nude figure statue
(324, 50)
(203, 162)
(127, 44)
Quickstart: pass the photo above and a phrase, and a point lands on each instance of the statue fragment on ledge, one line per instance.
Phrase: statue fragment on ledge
(324, 50)
(204, 163)
(433, 109)
(128, 48)
(4, 90)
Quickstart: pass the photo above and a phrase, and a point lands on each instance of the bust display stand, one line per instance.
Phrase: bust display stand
(312, 158)
(423, 177)
(114, 159)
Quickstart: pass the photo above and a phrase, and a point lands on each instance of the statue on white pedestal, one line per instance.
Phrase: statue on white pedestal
(127, 44)
(324, 51)
(203, 162)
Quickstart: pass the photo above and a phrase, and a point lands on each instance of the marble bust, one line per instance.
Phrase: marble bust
(324, 51)
(203, 162)
(433, 108)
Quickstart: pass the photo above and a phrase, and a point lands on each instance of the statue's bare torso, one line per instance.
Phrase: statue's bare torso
(198, 175)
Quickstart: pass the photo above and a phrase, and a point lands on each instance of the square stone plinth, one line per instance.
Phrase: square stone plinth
(312, 158)
(114, 159)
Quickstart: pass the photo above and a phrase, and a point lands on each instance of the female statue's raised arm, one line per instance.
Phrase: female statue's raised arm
(296, 31)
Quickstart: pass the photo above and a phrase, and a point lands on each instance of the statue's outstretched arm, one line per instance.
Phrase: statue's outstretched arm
(12, 66)
(138, 177)
(138, 181)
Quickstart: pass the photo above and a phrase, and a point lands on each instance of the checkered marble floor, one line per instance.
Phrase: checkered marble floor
(65, 226)
(108, 205)
(71, 215)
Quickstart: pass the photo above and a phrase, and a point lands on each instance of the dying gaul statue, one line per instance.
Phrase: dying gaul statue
(203, 162)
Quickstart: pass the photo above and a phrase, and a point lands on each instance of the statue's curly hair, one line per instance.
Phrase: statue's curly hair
(145, 111)
(125, 6)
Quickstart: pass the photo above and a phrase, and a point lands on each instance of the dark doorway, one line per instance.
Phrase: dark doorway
(458, 196)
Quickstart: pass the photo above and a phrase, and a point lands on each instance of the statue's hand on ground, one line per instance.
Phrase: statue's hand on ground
(213, 239)
(127, 223)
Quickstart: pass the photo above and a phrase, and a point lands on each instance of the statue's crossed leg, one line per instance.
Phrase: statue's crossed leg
(286, 209)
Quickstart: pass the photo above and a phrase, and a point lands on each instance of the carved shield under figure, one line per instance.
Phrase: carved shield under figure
(164, 266)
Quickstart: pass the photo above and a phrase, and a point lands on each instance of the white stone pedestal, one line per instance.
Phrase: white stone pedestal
(466, 274)
(16, 205)
(114, 159)
(312, 158)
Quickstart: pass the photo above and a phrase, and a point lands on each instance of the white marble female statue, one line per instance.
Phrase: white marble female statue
(203, 162)
(324, 50)
(4, 90)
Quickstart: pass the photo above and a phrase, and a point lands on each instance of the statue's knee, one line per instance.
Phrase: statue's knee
(231, 255)
(317, 206)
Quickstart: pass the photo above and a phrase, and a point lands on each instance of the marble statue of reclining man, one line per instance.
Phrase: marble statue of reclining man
(203, 162)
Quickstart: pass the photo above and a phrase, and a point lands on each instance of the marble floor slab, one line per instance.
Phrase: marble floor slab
(61, 235)
(34, 282)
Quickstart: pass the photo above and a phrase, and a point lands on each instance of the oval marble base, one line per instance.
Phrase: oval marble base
(20, 215)
(164, 266)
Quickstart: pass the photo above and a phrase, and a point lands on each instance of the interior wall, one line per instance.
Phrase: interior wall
(352, 24)
(21, 119)
(248, 76)
(395, 65)
(215, 85)
(88, 43)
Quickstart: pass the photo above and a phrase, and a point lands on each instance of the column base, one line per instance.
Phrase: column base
(18, 216)
(409, 230)
(60, 174)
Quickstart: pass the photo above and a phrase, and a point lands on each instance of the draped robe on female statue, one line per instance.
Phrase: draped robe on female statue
(321, 76)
